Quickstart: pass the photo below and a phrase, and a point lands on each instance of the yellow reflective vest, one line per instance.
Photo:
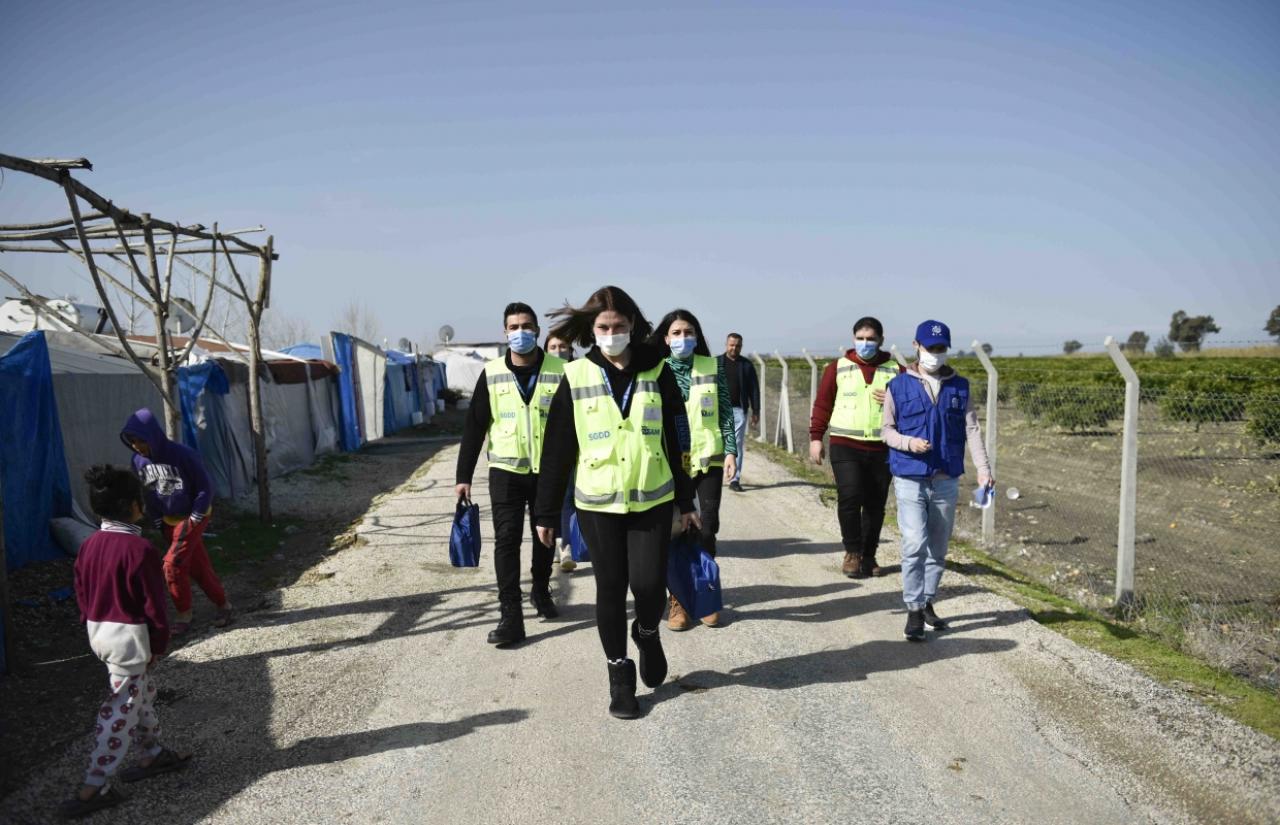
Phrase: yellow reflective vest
(516, 428)
(706, 442)
(857, 414)
(622, 466)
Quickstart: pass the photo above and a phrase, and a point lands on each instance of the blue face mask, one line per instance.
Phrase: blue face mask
(866, 349)
(682, 348)
(522, 341)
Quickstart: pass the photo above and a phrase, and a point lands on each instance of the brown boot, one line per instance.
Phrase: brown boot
(711, 619)
(679, 618)
(852, 565)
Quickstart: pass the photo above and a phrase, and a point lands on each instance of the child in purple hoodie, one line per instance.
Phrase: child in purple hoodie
(120, 589)
(179, 501)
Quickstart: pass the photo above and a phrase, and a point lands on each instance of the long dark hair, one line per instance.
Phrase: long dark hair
(664, 326)
(577, 324)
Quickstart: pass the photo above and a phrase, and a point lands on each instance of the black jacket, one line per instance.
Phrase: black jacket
(560, 440)
(748, 382)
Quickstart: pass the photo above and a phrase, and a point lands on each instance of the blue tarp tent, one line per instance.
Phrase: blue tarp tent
(307, 352)
(33, 466)
(349, 423)
(403, 397)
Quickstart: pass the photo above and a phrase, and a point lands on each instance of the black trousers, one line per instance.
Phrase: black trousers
(862, 485)
(512, 496)
(709, 484)
(627, 549)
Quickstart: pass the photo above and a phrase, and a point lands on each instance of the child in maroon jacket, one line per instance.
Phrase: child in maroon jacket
(121, 591)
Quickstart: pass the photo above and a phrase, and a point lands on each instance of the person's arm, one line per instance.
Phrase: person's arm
(823, 403)
(559, 457)
(150, 504)
(889, 427)
(755, 390)
(196, 477)
(977, 447)
(474, 432)
(674, 421)
(155, 599)
(727, 430)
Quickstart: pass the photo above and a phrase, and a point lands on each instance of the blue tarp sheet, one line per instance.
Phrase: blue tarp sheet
(191, 382)
(349, 424)
(308, 352)
(33, 466)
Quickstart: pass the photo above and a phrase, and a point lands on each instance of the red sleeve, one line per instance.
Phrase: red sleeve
(81, 598)
(823, 403)
(155, 599)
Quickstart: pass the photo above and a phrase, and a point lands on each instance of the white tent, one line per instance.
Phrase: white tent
(462, 367)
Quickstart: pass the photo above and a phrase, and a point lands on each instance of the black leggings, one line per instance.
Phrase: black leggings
(709, 483)
(627, 548)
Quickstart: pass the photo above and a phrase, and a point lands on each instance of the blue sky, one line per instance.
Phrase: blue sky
(1026, 172)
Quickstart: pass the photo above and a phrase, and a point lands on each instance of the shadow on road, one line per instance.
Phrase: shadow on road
(775, 548)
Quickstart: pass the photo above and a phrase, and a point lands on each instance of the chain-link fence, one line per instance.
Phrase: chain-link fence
(1207, 520)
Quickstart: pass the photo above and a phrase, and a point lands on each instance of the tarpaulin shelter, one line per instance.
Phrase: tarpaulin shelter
(361, 389)
(34, 485)
(463, 368)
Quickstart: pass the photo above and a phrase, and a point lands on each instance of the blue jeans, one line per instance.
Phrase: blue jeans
(740, 433)
(926, 514)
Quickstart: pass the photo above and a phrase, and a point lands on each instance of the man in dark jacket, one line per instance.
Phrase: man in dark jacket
(744, 397)
(179, 501)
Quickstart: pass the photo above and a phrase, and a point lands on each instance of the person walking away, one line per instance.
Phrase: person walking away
(509, 410)
(744, 398)
(179, 502)
(849, 405)
(617, 420)
(120, 588)
(563, 350)
(928, 420)
(712, 441)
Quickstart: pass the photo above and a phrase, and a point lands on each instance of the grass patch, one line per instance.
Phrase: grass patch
(1230, 694)
(330, 466)
(240, 540)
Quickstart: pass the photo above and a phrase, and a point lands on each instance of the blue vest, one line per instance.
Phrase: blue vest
(942, 424)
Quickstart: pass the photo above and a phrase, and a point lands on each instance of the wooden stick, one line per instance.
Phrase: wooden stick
(42, 307)
(185, 250)
(61, 177)
(204, 313)
(102, 291)
(31, 227)
(172, 416)
(134, 264)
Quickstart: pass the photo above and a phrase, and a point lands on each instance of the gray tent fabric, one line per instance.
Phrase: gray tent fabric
(95, 394)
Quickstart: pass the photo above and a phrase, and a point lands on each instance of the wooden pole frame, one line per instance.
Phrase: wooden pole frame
(122, 236)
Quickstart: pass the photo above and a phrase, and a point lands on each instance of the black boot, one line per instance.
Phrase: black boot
(540, 597)
(510, 627)
(653, 662)
(622, 690)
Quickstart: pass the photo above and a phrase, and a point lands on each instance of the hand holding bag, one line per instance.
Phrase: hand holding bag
(693, 577)
(464, 538)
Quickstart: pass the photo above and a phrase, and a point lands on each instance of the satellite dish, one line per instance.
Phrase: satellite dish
(446, 334)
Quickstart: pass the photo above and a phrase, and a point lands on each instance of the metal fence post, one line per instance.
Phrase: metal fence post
(1128, 478)
(813, 378)
(764, 407)
(993, 389)
(784, 403)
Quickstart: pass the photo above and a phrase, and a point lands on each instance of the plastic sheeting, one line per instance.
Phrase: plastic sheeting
(348, 415)
(34, 485)
(463, 369)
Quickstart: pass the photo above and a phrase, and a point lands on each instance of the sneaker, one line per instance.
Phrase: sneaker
(224, 617)
(931, 618)
(735, 486)
(915, 626)
(851, 565)
(711, 620)
(567, 564)
(678, 619)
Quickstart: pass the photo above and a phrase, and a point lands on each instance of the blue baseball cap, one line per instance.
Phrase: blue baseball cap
(930, 333)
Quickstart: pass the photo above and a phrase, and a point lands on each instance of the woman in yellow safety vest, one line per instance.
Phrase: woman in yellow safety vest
(712, 445)
(615, 422)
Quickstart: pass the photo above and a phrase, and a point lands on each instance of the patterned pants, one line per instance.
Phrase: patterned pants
(127, 712)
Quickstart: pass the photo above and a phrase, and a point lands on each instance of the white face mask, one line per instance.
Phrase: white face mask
(613, 345)
(929, 362)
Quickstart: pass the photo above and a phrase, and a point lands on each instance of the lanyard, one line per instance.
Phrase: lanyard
(626, 395)
(528, 389)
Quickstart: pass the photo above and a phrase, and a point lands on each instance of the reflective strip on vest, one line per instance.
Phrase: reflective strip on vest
(854, 433)
(509, 461)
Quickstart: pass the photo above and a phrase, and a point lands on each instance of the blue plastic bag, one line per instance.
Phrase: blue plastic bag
(577, 544)
(464, 538)
(693, 577)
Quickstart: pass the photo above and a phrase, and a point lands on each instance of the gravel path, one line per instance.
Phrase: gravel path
(366, 693)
